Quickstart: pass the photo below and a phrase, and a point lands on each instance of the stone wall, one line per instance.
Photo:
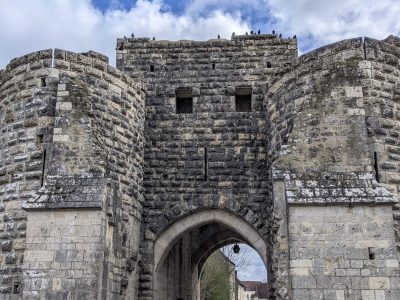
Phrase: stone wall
(99, 165)
(65, 256)
(381, 89)
(27, 106)
(316, 112)
(90, 155)
(214, 156)
(321, 152)
(339, 252)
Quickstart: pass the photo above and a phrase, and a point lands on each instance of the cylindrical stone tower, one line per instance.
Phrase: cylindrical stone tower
(71, 130)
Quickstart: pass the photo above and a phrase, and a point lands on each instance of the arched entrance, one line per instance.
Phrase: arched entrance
(181, 250)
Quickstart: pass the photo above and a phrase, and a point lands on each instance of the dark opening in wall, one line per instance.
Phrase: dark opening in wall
(376, 167)
(371, 253)
(16, 288)
(42, 82)
(205, 164)
(184, 101)
(213, 66)
(269, 65)
(124, 239)
(151, 68)
(243, 99)
(43, 167)
(124, 286)
(39, 139)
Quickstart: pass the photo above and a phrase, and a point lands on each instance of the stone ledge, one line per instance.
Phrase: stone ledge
(70, 192)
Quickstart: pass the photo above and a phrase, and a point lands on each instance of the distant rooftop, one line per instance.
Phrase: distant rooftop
(260, 288)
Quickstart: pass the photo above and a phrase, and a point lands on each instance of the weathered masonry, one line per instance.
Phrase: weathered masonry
(118, 183)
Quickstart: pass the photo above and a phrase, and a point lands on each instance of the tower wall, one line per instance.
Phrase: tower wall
(27, 106)
(214, 157)
(381, 89)
(340, 234)
(83, 227)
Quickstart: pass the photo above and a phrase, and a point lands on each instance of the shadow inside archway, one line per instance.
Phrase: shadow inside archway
(181, 251)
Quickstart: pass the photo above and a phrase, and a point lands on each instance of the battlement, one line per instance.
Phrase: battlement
(248, 40)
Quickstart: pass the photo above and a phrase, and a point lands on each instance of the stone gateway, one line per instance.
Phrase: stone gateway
(118, 183)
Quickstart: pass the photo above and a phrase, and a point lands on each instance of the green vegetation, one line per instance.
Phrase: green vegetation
(215, 278)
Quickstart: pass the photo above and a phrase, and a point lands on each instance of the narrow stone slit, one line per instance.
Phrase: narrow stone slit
(371, 253)
(43, 167)
(269, 65)
(151, 68)
(124, 285)
(43, 82)
(376, 166)
(365, 49)
(205, 164)
(213, 66)
(39, 139)
(16, 288)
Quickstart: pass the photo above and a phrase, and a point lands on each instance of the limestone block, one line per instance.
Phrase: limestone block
(380, 295)
(301, 263)
(368, 295)
(379, 283)
(340, 295)
(392, 263)
(39, 256)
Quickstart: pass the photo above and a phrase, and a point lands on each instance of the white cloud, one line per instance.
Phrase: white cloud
(325, 21)
(27, 26)
(316, 22)
(247, 7)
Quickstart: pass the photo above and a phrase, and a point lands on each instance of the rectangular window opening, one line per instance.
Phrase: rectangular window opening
(151, 68)
(39, 139)
(184, 101)
(42, 82)
(16, 288)
(243, 99)
(371, 253)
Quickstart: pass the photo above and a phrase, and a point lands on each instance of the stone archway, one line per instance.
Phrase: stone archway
(181, 249)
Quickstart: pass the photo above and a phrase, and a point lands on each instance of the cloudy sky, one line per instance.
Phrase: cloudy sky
(81, 25)
(255, 269)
